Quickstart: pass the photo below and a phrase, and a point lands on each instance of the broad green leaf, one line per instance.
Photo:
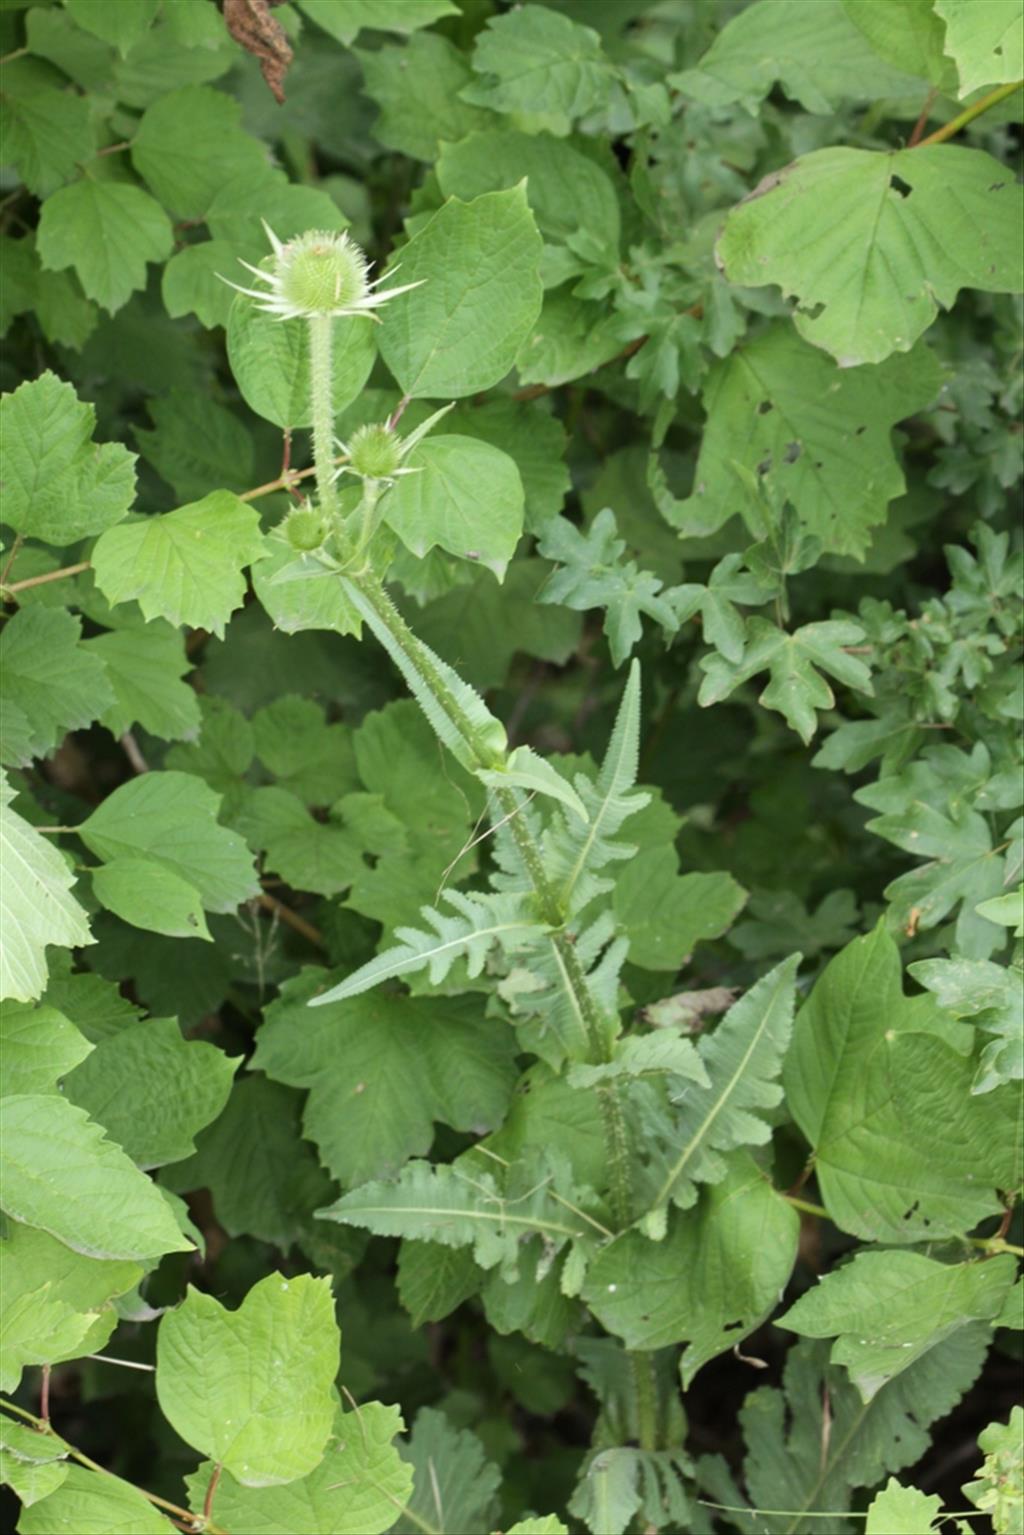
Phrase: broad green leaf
(416, 86)
(298, 596)
(397, 1063)
(56, 1304)
(794, 663)
(253, 1388)
(665, 914)
(270, 359)
(433, 1280)
(591, 573)
(264, 1178)
(898, 1510)
(223, 753)
(31, 1463)
(107, 231)
(306, 852)
(192, 281)
(345, 19)
(37, 907)
(454, 1485)
(743, 1058)
(799, 1459)
(98, 1007)
(355, 1490)
(902, 1150)
(145, 667)
(873, 244)
(540, 62)
(121, 25)
(904, 1302)
(999, 1489)
(550, 1524)
(152, 1090)
(186, 565)
(92, 1503)
(565, 188)
(907, 34)
(823, 434)
(466, 497)
(45, 134)
(570, 338)
(305, 754)
(189, 144)
(38, 1046)
(534, 437)
(712, 1280)
(1007, 910)
(62, 1174)
(814, 52)
(50, 683)
(607, 1496)
(985, 38)
(171, 819)
(197, 443)
(480, 295)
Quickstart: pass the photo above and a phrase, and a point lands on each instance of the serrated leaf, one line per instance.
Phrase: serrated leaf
(459, 332)
(985, 38)
(355, 1490)
(114, 24)
(990, 994)
(907, 34)
(795, 1462)
(62, 1174)
(145, 668)
(434, 1280)
(270, 359)
(36, 907)
(308, 853)
(189, 144)
(51, 684)
(999, 1489)
(902, 1150)
(540, 61)
(904, 1302)
(56, 1303)
(466, 498)
(416, 86)
(345, 19)
(454, 1485)
(186, 565)
(171, 819)
(89, 1503)
(742, 1058)
(152, 1090)
(794, 662)
(306, 755)
(197, 443)
(108, 231)
(665, 914)
(32, 1464)
(898, 1510)
(712, 1280)
(872, 244)
(362, 1052)
(46, 134)
(816, 54)
(222, 1377)
(823, 434)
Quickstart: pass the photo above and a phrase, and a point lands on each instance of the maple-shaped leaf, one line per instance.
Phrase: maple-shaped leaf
(795, 662)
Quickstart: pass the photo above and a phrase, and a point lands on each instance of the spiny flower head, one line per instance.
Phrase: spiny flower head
(319, 273)
(378, 453)
(304, 528)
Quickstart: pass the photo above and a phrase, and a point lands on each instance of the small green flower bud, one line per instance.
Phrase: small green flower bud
(304, 529)
(375, 452)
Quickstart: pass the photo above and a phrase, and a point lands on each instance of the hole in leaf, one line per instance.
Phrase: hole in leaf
(370, 859)
(815, 311)
(764, 466)
(860, 431)
(903, 188)
(764, 407)
(997, 186)
(793, 452)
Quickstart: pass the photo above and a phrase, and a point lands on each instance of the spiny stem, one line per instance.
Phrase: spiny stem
(320, 365)
(645, 1384)
(969, 114)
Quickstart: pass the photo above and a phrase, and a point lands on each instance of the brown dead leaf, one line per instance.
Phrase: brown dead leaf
(251, 24)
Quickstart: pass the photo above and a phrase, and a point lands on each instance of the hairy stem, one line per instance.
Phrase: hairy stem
(969, 114)
(320, 362)
(645, 1384)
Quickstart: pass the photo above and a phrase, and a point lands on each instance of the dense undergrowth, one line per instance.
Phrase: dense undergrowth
(512, 811)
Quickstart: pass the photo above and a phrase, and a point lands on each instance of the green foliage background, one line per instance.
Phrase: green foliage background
(684, 1038)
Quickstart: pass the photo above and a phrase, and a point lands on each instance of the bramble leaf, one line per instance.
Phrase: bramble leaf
(108, 232)
(37, 907)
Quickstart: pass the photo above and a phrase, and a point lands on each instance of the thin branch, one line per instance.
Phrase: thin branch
(210, 1490)
(131, 749)
(955, 124)
(292, 919)
(50, 575)
(19, 539)
(127, 1364)
(922, 121)
(44, 1395)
